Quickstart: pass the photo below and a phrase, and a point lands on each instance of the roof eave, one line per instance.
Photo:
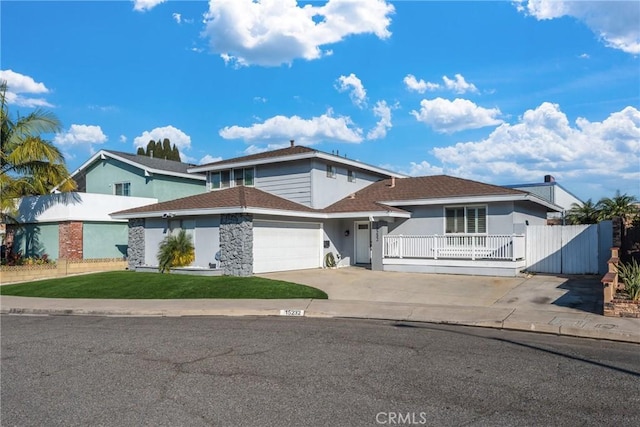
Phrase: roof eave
(474, 199)
(293, 157)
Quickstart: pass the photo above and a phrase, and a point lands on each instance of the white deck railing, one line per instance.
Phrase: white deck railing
(459, 246)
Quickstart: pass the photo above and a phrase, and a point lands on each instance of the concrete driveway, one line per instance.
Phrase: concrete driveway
(543, 292)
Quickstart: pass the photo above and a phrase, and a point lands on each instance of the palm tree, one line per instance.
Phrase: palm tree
(29, 164)
(587, 213)
(621, 205)
(175, 251)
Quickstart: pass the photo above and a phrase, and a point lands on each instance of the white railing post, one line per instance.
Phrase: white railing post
(400, 246)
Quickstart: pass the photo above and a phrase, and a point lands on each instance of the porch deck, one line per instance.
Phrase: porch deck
(492, 255)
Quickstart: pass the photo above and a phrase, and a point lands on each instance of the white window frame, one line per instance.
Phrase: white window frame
(465, 220)
(217, 183)
(123, 184)
(331, 171)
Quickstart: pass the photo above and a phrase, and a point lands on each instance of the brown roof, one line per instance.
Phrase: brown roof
(240, 196)
(366, 200)
(424, 187)
(289, 151)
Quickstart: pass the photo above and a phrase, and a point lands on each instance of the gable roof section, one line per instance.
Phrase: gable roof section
(427, 190)
(295, 152)
(149, 165)
(383, 198)
(235, 199)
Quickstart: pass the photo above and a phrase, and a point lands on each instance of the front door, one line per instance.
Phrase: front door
(363, 243)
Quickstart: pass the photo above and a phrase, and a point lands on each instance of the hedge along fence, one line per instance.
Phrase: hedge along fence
(62, 267)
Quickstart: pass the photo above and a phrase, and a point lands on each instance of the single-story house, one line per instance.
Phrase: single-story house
(290, 208)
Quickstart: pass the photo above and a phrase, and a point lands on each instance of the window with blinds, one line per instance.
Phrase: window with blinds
(466, 219)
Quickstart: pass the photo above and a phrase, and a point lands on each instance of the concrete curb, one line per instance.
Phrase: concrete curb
(490, 318)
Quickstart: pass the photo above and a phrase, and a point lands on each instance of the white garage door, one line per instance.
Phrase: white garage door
(281, 246)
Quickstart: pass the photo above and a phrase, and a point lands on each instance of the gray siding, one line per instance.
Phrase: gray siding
(340, 245)
(207, 241)
(290, 181)
(326, 190)
(502, 218)
(155, 229)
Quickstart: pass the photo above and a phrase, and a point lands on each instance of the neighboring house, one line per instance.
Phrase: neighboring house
(553, 192)
(77, 225)
(288, 209)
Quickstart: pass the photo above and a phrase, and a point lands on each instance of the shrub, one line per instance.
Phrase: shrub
(16, 258)
(630, 274)
(175, 251)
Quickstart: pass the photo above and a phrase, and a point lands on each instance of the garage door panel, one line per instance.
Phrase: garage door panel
(281, 246)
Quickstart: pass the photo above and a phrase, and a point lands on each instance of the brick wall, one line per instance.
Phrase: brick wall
(70, 240)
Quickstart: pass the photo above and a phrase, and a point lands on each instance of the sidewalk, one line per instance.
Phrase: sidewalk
(567, 323)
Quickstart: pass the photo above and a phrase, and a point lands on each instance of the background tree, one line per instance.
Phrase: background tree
(29, 164)
(587, 213)
(160, 150)
(620, 205)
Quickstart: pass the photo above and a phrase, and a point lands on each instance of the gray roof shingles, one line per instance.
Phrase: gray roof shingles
(154, 163)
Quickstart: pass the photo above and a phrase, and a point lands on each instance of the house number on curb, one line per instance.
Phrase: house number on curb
(291, 312)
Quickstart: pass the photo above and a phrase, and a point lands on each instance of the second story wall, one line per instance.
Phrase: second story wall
(291, 180)
(329, 186)
(110, 176)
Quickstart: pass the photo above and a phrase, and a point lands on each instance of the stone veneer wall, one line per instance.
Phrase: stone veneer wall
(135, 251)
(70, 240)
(236, 244)
(622, 308)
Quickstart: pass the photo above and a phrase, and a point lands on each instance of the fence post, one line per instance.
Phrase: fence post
(400, 246)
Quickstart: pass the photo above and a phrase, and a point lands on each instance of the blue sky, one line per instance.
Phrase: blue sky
(500, 92)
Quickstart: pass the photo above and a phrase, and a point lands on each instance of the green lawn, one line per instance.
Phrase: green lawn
(132, 285)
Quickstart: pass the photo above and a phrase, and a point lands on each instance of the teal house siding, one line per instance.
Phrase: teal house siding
(36, 240)
(171, 188)
(102, 176)
(104, 240)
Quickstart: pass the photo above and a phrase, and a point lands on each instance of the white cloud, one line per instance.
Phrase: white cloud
(175, 135)
(544, 142)
(459, 85)
(209, 159)
(616, 23)
(81, 135)
(584, 56)
(123, 138)
(304, 131)
(18, 84)
(260, 99)
(275, 32)
(424, 168)
(446, 116)
(144, 5)
(383, 112)
(352, 83)
(177, 17)
(419, 86)
(255, 149)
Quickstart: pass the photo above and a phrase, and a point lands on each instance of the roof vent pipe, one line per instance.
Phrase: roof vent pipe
(393, 181)
(293, 142)
(549, 178)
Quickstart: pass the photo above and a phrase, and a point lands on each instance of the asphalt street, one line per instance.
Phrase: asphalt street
(266, 371)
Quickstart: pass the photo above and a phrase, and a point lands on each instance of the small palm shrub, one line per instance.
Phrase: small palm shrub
(630, 274)
(175, 251)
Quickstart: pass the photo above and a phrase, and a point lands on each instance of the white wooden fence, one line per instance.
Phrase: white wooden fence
(568, 249)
